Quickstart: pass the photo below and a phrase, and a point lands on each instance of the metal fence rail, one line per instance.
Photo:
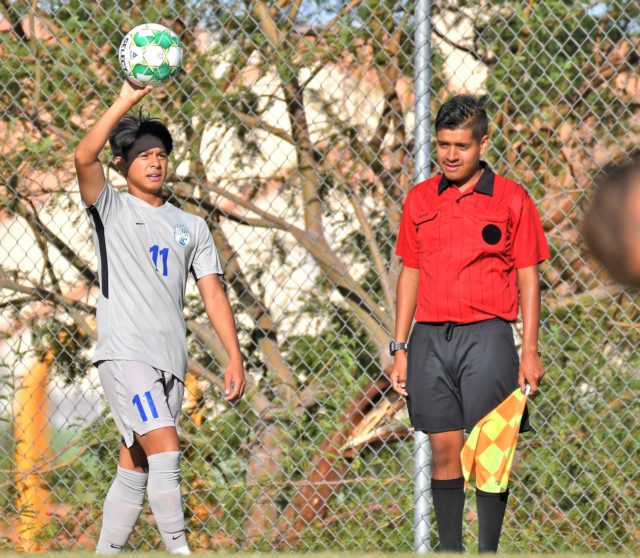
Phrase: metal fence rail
(294, 124)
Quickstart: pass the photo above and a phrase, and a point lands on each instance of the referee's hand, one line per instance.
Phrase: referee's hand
(530, 372)
(399, 373)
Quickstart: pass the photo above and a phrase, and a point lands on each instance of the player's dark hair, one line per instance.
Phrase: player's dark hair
(463, 112)
(130, 128)
(607, 229)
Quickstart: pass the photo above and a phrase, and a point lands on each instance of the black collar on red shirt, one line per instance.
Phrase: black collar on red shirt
(484, 185)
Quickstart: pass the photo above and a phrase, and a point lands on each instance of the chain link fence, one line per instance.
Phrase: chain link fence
(294, 124)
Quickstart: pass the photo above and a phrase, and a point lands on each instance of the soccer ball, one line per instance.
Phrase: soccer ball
(150, 54)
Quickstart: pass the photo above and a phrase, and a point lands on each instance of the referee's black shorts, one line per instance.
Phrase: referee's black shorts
(457, 373)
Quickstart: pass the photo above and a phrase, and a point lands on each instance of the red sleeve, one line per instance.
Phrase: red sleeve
(529, 243)
(407, 247)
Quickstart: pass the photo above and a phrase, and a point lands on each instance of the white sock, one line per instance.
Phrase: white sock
(122, 506)
(163, 491)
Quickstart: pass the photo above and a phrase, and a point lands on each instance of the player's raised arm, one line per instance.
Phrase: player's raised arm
(87, 155)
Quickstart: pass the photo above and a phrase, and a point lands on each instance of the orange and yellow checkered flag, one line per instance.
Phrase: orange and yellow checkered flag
(488, 452)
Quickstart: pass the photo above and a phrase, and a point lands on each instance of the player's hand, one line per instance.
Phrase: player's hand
(531, 372)
(399, 373)
(133, 93)
(234, 381)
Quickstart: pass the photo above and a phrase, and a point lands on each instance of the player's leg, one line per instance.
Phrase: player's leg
(133, 458)
(490, 374)
(161, 447)
(447, 487)
(125, 498)
(445, 451)
(435, 407)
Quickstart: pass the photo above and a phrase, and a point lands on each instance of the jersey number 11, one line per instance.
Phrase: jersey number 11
(164, 254)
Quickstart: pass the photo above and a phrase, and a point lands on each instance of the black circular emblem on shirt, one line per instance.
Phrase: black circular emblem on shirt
(491, 234)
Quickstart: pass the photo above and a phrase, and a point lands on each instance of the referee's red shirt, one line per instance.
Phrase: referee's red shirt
(468, 247)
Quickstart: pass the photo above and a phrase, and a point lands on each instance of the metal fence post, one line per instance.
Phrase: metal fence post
(422, 450)
(422, 90)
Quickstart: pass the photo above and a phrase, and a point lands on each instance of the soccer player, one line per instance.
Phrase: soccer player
(146, 248)
(612, 222)
(470, 243)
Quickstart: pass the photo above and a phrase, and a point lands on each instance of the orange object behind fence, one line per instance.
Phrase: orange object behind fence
(31, 432)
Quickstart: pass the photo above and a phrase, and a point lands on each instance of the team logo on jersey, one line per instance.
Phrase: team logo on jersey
(181, 234)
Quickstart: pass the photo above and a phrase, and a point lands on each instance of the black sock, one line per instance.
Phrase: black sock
(491, 509)
(448, 503)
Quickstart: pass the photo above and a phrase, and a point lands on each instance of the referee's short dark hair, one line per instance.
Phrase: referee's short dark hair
(464, 111)
(608, 228)
(130, 128)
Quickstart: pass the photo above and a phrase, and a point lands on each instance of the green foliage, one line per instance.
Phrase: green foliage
(61, 79)
(578, 469)
(380, 477)
(548, 62)
(67, 343)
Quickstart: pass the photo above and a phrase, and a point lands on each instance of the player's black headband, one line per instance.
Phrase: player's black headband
(142, 144)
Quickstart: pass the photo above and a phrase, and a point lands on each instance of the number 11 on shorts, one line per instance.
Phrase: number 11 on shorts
(137, 401)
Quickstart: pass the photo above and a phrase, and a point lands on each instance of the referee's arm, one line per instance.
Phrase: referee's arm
(531, 371)
(406, 296)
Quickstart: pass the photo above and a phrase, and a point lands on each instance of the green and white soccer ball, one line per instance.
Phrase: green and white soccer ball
(150, 54)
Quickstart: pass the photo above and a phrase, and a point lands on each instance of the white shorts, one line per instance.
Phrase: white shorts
(141, 398)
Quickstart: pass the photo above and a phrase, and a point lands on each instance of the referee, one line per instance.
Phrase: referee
(470, 243)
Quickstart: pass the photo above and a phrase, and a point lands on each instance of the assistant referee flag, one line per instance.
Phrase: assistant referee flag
(488, 452)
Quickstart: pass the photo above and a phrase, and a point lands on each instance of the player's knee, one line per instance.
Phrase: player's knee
(446, 473)
(446, 463)
(164, 471)
(162, 440)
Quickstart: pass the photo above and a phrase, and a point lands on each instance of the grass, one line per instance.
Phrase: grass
(88, 554)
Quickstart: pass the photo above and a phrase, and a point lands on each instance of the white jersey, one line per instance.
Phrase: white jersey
(145, 254)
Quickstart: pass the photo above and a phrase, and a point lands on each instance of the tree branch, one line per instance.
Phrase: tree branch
(469, 50)
(297, 118)
(44, 249)
(293, 14)
(217, 211)
(344, 11)
(16, 24)
(276, 222)
(44, 295)
(359, 300)
(36, 224)
(264, 333)
(255, 122)
(376, 255)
